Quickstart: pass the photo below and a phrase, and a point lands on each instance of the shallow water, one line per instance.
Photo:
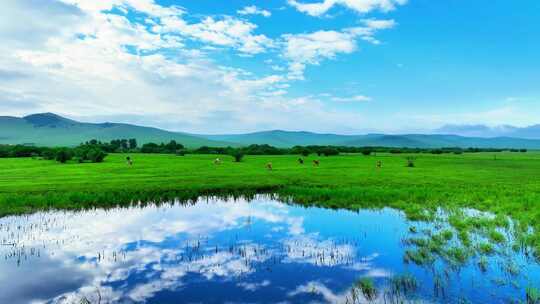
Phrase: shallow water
(219, 251)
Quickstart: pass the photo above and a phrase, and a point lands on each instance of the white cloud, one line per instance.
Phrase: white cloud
(226, 31)
(356, 98)
(359, 6)
(515, 115)
(253, 10)
(311, 48)
(77, 58)
(303, 49)
(376, 24)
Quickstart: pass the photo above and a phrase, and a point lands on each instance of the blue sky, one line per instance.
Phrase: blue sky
(345, 66)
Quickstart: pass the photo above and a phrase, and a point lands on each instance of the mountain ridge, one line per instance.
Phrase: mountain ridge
(479, 130)
(49, 129)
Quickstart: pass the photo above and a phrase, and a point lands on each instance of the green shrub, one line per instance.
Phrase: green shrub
(238, 156)
(367, 152)
(330, 151)
(96, 155)
(63, 155)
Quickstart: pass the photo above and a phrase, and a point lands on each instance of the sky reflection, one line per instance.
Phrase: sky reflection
(213, 251)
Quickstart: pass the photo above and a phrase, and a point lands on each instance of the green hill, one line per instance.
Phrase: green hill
(52, 130)
(280, 138)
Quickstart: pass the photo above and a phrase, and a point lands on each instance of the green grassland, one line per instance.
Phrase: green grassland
(508, 184)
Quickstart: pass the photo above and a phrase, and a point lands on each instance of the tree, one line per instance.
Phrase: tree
(329, 151)
(48, 154)
(133, 143)
(96, 155)
(150, 148)
(63, 155)
(366, 151)
(124, 144)
(238, 156)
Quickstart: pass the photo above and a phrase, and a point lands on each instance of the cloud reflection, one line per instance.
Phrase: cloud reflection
(132, 255)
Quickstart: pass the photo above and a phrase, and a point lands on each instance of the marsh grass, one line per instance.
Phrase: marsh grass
(532, 295)
(486, 248)
(483, 264)
(403, 285)
(508, 187)
(420, 256)
(367, 287)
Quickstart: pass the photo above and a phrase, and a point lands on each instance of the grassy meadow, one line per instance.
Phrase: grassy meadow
(503, 183)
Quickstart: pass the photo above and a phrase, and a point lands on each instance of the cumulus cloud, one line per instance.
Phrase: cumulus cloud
(92, 59)
(226, 31)
(359, 6)
(253, 10)
(312, 48)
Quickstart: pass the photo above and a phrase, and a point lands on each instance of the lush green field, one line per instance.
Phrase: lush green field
(507, 185)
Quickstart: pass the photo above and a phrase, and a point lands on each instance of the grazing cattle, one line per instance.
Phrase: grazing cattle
(316, 162)
(379, 164)
(129, 161)
(269, 166)
(300, 161)
(217, 161)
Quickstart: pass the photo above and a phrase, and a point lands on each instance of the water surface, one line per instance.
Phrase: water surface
(219, 251)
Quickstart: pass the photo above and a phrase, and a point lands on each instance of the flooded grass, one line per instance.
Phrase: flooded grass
(478, 210)
(264, 245)
(350, 182)
(532, 295)
(403, 285)
(367, 287)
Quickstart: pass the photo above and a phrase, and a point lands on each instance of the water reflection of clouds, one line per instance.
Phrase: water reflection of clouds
(345, 297)
(121, 246)
(94, 243)
(253, 286)
(309, 249)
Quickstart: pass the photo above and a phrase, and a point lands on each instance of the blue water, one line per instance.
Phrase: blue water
(219, 251)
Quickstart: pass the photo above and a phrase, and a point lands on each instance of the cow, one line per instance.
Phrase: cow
(316, 162)
(217, 161)
(300, 161)
(269, 166)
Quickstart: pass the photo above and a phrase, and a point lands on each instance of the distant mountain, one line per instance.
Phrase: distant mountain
(49, 129)
(531, 132)
(280, 138)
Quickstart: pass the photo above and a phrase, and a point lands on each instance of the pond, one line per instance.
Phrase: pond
(235, 251)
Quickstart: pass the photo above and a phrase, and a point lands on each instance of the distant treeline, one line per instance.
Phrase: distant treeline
(82, 153)
(336, 150)
(96, 151)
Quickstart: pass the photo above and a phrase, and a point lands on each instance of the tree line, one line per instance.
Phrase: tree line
(82, 153)
(96, 151)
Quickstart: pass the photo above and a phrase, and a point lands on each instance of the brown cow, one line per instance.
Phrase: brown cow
(269, 166)
(316, 162)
